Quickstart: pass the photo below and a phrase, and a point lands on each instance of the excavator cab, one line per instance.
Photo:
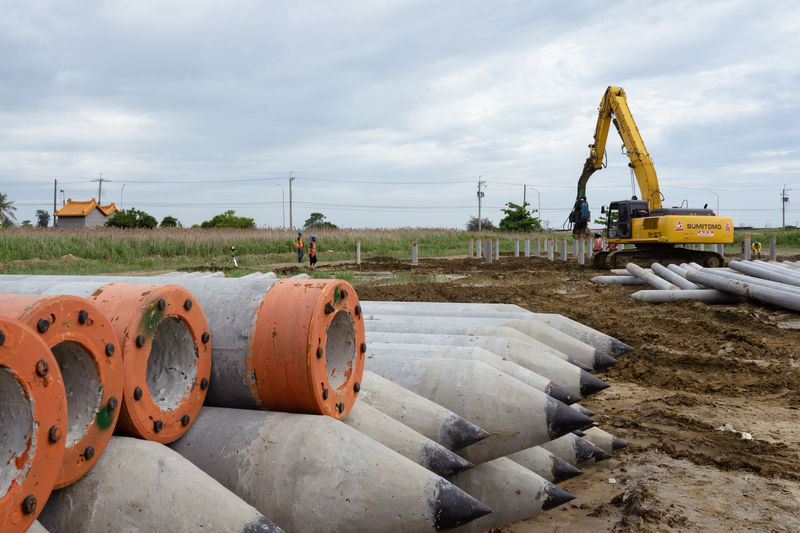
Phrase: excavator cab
(620, 215)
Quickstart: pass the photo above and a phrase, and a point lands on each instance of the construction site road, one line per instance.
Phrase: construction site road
(701, 380)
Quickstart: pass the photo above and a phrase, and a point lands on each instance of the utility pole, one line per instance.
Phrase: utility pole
(480, 197)
(283, 205)
(55, 199)
(100, 188)
(784, 199)
(524, 194)
(291, 179)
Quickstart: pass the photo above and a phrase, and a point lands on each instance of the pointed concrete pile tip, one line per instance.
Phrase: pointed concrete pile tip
(141, 485)
(420, 414)
(514, 493)
(405, 441)
(572, 449)
(376, 488)
(545, 464)
(517, 416)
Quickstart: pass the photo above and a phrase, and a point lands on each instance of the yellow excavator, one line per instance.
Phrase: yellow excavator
(642, 231)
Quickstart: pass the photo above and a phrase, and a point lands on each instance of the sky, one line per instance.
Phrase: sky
(388, 113)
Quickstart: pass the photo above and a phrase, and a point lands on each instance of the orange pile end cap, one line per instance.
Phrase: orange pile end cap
(86, 350)
(33, 421)
(166, 353)
(308, 347)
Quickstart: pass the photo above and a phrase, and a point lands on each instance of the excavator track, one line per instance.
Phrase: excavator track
(644, 257)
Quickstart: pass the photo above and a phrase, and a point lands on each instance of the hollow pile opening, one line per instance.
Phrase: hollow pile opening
(172, 363)
(340, 348)
(83, 387)
(16, 426)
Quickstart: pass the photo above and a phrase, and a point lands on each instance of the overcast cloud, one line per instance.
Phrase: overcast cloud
(388, 111)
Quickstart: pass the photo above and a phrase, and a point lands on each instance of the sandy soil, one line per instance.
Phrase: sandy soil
(695, 368)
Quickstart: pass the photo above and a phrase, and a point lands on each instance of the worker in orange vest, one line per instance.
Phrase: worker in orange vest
(298, 242)
(312, 251)
(597, 242)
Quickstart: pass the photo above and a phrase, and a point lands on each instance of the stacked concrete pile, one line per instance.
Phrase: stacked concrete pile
(517, 375)
(266, 356)
(772, 282)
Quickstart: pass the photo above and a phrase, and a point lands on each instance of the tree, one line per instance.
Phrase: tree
(228, 219)
(42, 218)
(26, 224)
(171, 222)
(472, 224)
(7, 210)
(519, 219)
(131, 218)
(603, 219)
(317, 220)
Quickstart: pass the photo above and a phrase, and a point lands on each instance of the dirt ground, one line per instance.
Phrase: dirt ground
(695, 368)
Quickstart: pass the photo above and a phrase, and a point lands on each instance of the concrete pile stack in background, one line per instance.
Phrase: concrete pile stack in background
(495, 417)
(772, 282)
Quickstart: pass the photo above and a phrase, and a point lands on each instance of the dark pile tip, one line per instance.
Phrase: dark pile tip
(561, 419)
(585, 450)
(585, 411)
(591, 385)
(602, 360)
(261, 524)
(617, 444)
(582, 366)
(457, 433)
(602, 457)
(617, 347)
(454, 507)
(563, 471)
(555, 496)
(442, 461)
(579, 433)
(561, 394)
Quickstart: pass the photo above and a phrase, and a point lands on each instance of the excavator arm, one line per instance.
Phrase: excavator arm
(614, 110)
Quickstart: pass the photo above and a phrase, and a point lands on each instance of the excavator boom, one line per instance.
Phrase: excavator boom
(614, 110)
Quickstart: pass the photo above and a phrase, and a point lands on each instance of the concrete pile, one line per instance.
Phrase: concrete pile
(466, 425)
(772, 282)
(517, 375)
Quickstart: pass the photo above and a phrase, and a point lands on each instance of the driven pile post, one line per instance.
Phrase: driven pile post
(516, 247)
(773, 253)
(487, 252)
(358, 252)
(581, 259)
(470, 248)
(746, 248)
(479, 249)
(549, 249)
(497, 249)
(414, 252)
(563, 248)
(536, 247)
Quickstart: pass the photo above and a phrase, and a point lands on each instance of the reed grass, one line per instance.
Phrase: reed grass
(208, 244)
(116, 250)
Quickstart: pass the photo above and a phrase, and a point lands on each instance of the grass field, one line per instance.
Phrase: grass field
(90, 251)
